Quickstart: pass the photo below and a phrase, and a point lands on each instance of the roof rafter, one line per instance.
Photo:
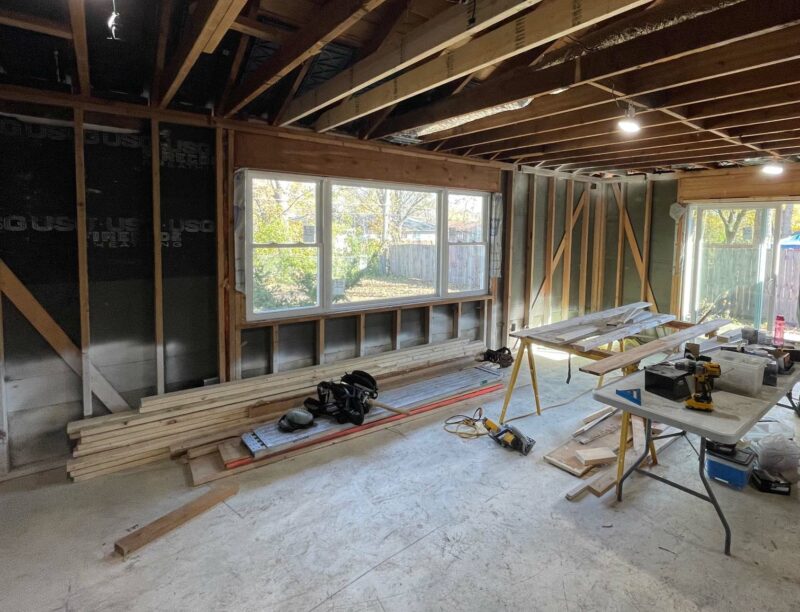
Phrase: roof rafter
(77, 19)
(35, 24)
(306, 42)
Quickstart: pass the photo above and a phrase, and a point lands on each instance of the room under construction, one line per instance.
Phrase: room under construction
(399, 305)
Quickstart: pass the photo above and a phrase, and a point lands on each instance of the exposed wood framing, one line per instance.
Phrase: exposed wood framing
(220, 235)
(530, 253)
(508, 239)
(77, 18)
(584, 267)
(435, 35)
(567, 258)
(238, 58)
(208, 19)
(644, 272)
(303, 45)
(83, 260)
(319, 347)
(599, 251)
(548, 22)
(250, 26)
(165, 10)
(548, 247)
(35, 24)
(621, 212)
(55, 336)
(158, 270)
(298, 80)
(5, 457)
(235, 316)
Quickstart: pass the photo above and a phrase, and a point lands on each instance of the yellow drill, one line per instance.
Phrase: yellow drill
(704, 372)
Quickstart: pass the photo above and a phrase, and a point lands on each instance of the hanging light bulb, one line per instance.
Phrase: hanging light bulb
(113, 22)
(629, 124)
(772, 168)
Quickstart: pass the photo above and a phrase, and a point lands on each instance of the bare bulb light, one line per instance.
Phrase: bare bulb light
(629, 124)
(772, 169)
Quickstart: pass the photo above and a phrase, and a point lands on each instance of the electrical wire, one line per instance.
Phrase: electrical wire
(467, 427)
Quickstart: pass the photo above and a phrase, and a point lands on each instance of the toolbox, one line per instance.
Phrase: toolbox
(733, 470)
(667, 381)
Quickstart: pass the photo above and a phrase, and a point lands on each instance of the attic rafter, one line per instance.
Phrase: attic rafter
(710, 36)
(238, 58)
(165, 11)
(35, 24)
(250, 26)
(446, 29)
(77, 19)
(209, 18)
(305, 43)
(549, 21)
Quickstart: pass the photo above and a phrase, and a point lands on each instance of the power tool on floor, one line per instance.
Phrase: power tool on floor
(704, 371)
(509, 437)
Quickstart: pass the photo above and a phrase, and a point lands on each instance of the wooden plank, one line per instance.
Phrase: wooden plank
(550, 21)
(584, 266)
(639, 438)
(667, 343)
(42, 322)
(77, 19)
(202, 24)
(250, 26)
(446, 29)
(396, 328)
(319, 345)
(83, 260)
(158, 271)
(152, 531)
(566, 270)
(165, 10)
(306, 43)
(574, 322)
(508, 245)
(234, 8)
(624, 331)
(239, 55)
(598, 414)
(35, 24)
(548, 248)
(234, 322)
(298, 80)
(596, 456)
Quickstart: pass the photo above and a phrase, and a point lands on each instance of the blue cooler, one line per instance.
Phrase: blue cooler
(732, 470)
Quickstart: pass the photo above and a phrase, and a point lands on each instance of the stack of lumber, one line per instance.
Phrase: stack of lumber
(163, 424)
(209, 462)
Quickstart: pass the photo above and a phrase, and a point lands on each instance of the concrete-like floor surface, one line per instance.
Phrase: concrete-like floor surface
(409, 518)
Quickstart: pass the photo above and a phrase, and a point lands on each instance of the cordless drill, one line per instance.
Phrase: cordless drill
(704, 372)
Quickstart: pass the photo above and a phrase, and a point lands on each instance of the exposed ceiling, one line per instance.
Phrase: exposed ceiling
(544, 83)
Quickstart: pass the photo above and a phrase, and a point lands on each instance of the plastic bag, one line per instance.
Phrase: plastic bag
(777, 453)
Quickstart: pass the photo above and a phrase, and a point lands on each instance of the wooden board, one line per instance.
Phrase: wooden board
(565, 458)
(545, 331)
(623, 331)
(598, 414)
(596, 456)
(176, 518)
(633, 356)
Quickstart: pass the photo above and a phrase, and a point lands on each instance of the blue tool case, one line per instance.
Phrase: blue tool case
(733, 470)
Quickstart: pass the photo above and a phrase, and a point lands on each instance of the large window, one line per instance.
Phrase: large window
(316, 245)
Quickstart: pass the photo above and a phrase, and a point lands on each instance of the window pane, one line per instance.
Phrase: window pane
(384, 243)
(465, 218)
(284, 212)
(467, 267)
(285, 278)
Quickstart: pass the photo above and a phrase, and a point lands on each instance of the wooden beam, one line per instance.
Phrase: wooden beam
(566, 270)
(305, 44)
(644, 274)
(552, 20)
(298, 80)
(203, 23)
(55, 336)
(234, 8)
(530, 255)
(715, 146)
(234, 320)
(621, 212)
(152, 531)
(77, 19)
(35, 24)
(250, 26)
(221, 208)
(158, 270)
(319, 345)
(83, 260)
(708, 34)
(165, 10)
(508, 249)
(444, 30)
(599, 251)
(548, 247)
(584, 251)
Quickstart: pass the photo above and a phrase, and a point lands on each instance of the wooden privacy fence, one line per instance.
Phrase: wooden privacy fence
(787, 296)
(418, 261)
(728, 279)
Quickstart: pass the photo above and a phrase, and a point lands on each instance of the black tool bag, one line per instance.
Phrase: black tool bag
(346, 401)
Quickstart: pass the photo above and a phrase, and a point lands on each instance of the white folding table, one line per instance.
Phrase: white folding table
(734, 416)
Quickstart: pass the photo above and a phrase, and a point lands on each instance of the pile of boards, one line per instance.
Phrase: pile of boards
(169, 425)
(591, 452)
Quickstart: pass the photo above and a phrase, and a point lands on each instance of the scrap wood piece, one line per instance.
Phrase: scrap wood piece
(594, 423)
(176, 518)
(564, 456)
(233, 453)
(596, 456)
(55, 336)
(598, 414)
(545, 330)
(662, 345)
(639, 438)
(624, 331)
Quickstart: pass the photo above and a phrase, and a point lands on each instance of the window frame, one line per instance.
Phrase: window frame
(324, 245)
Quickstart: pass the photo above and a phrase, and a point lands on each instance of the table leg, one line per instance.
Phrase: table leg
(648, 432)
(513, 380)
(534, 382)
(623, 445)
(712, 498)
